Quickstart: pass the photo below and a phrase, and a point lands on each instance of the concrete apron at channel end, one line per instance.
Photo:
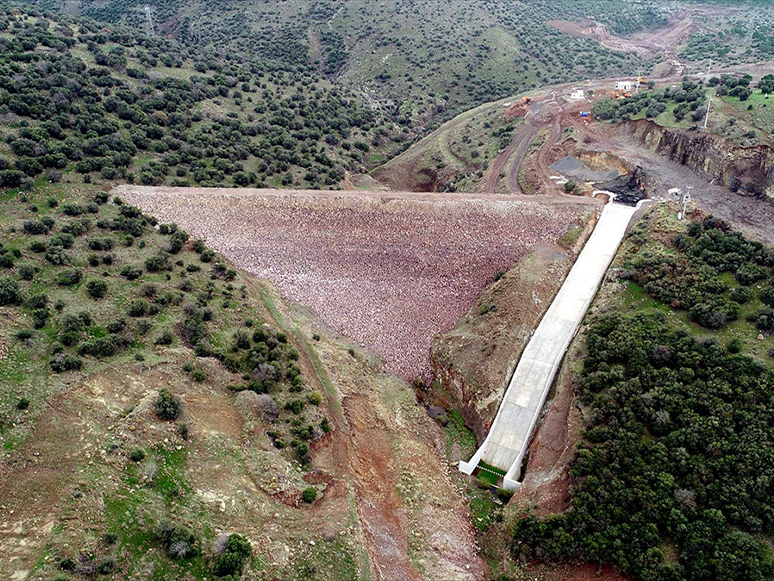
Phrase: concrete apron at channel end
(508, 438)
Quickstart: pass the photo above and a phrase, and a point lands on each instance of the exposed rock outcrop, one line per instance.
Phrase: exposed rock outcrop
(745, 170)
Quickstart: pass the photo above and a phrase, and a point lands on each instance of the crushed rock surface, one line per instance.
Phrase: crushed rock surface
(389, 271)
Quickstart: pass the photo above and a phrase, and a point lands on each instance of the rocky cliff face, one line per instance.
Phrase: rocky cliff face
(745, 170)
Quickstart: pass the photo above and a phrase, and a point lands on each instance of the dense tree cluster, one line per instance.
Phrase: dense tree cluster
(740, 38)
(735, 87)
(689, 98)
(60, 262)
(674, 477)
(235, 123)
(689, 280)
(405, 53)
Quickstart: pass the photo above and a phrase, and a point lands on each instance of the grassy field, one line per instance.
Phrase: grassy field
(757, 110)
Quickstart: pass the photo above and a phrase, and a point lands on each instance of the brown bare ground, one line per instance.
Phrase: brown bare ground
(388, 270)
(386, 493)
(643, 43)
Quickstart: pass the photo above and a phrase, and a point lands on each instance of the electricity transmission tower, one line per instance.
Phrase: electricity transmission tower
(149, 30)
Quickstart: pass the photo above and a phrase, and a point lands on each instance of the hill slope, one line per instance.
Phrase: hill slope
(109, 104)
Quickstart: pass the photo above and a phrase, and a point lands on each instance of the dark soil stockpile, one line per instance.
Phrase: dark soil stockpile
(629, 189)
(388, 270)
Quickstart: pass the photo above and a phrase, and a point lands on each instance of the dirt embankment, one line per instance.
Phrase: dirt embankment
(473, 363)
(388, 270)
(746, 170)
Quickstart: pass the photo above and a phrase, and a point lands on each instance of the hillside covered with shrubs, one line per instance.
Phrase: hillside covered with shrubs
(92, 103)
(673, 479)
(90, 286)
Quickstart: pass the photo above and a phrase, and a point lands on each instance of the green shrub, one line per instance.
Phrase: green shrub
(96, 288)
(157, 263)
(62, 362)
(131, 272)
(77, 227)
(101, 244)
(73, 209)
(40, 318)
(314, 398)
(24, 334)
(106, 565)
(325, 426)
(35, 227)
(37, 246)
(309, 495)
(138, 308)
(23, 404)
(177, 241)
(137, 455)
(302, 450)
(63, 240)
(168, 406)
(199, 376)
(743, 295)
(166, 338)
(116, 326)
(69, 277)
(295, 405)
(39, 301)
(240, 340)
(178, 540)
(238, 549)
(9, 292)
(6, 259)
(102, 346)
(26, 272)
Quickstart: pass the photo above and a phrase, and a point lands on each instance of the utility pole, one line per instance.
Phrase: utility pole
(149, 22)
(686, 199)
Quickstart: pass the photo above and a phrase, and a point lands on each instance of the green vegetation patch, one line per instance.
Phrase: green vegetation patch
(672, 478)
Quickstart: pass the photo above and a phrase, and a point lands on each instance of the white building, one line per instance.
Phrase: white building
(577, 94)
(624, 86)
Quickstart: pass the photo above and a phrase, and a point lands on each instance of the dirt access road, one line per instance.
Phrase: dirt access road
(555, 109)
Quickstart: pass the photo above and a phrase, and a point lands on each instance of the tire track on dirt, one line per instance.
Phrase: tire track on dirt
(513, 174)
(542, 162)
(499, 162)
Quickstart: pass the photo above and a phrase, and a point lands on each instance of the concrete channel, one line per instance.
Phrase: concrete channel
(508, 439)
